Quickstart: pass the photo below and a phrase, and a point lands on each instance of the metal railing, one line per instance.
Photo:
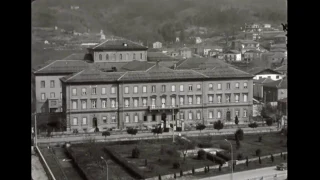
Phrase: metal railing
(48, 170)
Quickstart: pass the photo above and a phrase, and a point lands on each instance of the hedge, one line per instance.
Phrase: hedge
(215, 159)
(133, 170)
(223, 156)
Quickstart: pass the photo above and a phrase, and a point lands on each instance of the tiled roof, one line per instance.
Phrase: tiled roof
(259, 70)
(137, 66)
(280, 84)
(75, 56)
(106, 66)
(118, 44)
(225, 72)
(61, 66)
(253, 51)
(247, 41)
(276, 46)
(184, 49)
(278, 55)
(278, 50)
(263, 80)
(155, 56)
(196, 63)
(281, 68)
(232, 52)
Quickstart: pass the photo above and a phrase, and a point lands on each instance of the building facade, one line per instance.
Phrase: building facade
(156, 96)
(185, 52)
(157, 45)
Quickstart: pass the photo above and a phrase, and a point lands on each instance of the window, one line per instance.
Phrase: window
(84, 91)
(94, 90)
(42, 84)
(75, 121)
(219, 98)
(84, 120)
(74, 104)
(173, 101)
(107, 56)
(134, 56)
(100, 57)
(210, 115)
(163, 102)
(52, 84)
(153, 102)
(113, 119)
(144, 89)
(163, 88)
(135, 102)
(104, 119)
(127, 118)
(103, 103)
(114, 57)
(245, 85)
(120, 56)
(52, 95)
(269, 77)
(60, 95)
(113, 90)
(145, 118)
(113, 103)
(126, 90)
(144, 102)
(228, 85)
(210, 87)
(219, 86)
(190, 87)
(237, 113)
(153, 89)
(136, 118)
(198, 115)
(228, 98)
(237, 97)
(190, 99)
(210, 98)
(198, 87)
(198, 99)
(93, 103)
(127, 56)
(181, 88)
(140, 55)
(219, 114)
(277, 77)
(74, 92)
(103, 90)
(173, 88)
(135, 89)
(245, 97)
(237, 85)
(43, 96)
(153, 117)
(244, 113)
(190, 115)
(181, 100)
(84, 104)
(126, 102)
(181, 115)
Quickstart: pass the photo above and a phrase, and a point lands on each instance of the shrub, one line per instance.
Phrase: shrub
(258, 152)
(193, 170)
(200, 127)
(132, 131)
(135, 153)
(253, 125)
(272, 158)
(247, 161)
(157, 130)
(105, 134)
(236, 121)
(175, 176)
(260, 139)
(260, 160)
(181, 172)
(269, 121)
(205, 145)
(133, 170)
(218, 125)
(281, 154)
(159, 177)
(284, 157)
(176, 165)
(223, 156)
(201, 154)
(239, 134)
(169, 150)
(219, 160)
(205, 169)
(220, 167)
(238, 144)
(239, 156)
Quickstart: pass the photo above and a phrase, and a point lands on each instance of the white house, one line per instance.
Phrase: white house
(260, 72)
(198, 40)
(157, 45)
(232, 55)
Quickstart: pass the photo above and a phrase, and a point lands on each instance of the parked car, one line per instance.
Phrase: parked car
(282, 166)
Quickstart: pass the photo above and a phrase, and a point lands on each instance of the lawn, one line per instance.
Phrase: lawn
(161, 154)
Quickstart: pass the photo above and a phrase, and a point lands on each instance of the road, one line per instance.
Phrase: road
(256, 174)
(37, 169)
(144, 135)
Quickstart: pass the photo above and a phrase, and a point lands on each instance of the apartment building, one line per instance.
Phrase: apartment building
(158, 95)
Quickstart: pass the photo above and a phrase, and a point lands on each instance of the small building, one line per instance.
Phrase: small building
(185, 52)
(198, 40)
(261, 72)
(157, 45)
(280, 39)
(242, 44)
(214, 53)
(266, 25)
(232, 55)
(177, 39)
(251, 55)
(258, 87)
(282, 69)
(279, 86)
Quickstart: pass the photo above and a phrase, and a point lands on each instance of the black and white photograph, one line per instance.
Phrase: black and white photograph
(159, 89)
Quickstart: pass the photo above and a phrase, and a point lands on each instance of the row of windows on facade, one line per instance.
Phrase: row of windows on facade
(153, 88)
(190, 116)
(163, 101)
(120, 56)
(52, 84)
(52, 95)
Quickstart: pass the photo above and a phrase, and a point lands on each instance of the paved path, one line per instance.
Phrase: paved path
(37, 169)
(256, 174)
(146, 135)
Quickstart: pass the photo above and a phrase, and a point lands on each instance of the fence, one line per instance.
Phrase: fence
(46, 167)
(271, 177)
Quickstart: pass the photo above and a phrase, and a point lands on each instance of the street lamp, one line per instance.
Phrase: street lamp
(231, 159)
(107, 167)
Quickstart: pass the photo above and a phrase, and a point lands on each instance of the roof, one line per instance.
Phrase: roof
(184, 49)
(155, 56)
(106, 66)
(280, 84)
(246, 41)
(253, 51)
(278, 50)
(262, 70)
(61, 67)
(276, 46)
(191, 63)
(118, 44)
(280, 36)
(232, 52)
(278, 55)
(137, 66)
(225, 72)
(281, 68)
(263, 80)
(157, 42)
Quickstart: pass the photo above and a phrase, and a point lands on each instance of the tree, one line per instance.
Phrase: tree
(239, 134)
(185, 145)
(200, 127)
(218, 125)
(105, 134)
(269, 121)
(253, 125)
(236, 120)
(238, 144)
(132, 131)
(201, 154)
(135, 152)
(258, 152)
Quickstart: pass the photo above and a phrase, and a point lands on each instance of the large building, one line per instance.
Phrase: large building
(92, 98)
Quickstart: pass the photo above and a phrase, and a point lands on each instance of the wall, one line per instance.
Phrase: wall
(117, 58)
(274, 77)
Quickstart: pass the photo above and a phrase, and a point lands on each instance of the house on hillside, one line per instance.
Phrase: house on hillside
(214, 53)
(278, 59)
(261, 72)
(185, 52)
(198, 40)
(280, 39)
(258, 87)
(243, 45)
(232, 55)
(251, 55)
(252, 27)
(157, 45)
(280, 89)
(266, 25)
(282, 69)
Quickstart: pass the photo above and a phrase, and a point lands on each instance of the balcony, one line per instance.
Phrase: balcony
(163, 107)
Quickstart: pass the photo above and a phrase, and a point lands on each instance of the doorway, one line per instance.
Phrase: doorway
(228, 116)
(94, 122)
(164, 119)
